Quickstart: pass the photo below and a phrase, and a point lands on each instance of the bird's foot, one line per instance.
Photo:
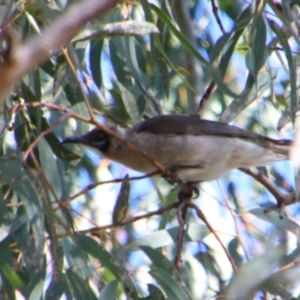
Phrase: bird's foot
(189, 191)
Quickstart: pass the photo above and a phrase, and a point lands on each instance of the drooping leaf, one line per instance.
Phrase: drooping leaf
(109, 292)
(109, 261)
(169, 285)
(165, 18)
(80, 290)
(95, 61)
(121, 206)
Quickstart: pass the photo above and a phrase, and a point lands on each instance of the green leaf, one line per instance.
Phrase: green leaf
(129, 101)
(58, 287)
(119, 62)
(95, 61)
(48, 67)
(172, 289)
(6, 255)
(159, 261)
(219, 46)
(37, 292)
(273, 217)
(20, 183)
(250, 275)
(208, 261)
(165, 18)
(291, 66)
(80, 289)
(4, 218)
(109, 292)
(58, 149)
(122, 202)
(77, 258)
(227, 44)
(129, 51)
(13, 278)
(155, 293)
(119, 109)
(245, 17)
(257, 54)
(233, 248)
(90, 246)
(251, 92)
(289, 18)
(217, 78)
(49, 166)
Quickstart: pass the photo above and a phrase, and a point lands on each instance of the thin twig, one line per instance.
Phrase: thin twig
(181, 216)
(131, 220)
(203, 218)
(281, 198)
(239, 237)
(72, 67)
(184, 197)
(215, 12)
(42, 134)
(205, 97)
(94, 185)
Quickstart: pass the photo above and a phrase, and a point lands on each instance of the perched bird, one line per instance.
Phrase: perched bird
(198, 150)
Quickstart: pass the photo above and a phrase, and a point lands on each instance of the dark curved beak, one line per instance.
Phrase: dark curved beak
(74, 140)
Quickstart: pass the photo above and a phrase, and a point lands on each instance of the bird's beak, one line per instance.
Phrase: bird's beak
(74, 140)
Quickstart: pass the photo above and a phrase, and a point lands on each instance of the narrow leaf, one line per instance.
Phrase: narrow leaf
(13, 278)
(109, 292)
(169, 285)
(121, 206)
(107, 260)
(80, 288)
(49, 166)
(165, 18)
(95, 61)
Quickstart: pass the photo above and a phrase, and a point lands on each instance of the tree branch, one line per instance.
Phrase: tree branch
(22, 58)
(281, 198)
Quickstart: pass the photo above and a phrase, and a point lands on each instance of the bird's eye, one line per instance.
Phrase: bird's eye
(99, 140)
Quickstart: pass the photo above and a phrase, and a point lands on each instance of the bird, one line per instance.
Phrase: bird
(195, 149)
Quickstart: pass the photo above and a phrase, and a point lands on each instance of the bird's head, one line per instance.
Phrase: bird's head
(95, 138)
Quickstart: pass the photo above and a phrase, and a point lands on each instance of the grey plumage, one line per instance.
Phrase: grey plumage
(197, 149)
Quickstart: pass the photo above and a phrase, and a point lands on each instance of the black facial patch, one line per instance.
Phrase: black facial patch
(97, 139)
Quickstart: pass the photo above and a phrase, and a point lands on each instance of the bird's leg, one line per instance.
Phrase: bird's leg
(186, 189)
(175, 168)
(188, 192)
(185, 195)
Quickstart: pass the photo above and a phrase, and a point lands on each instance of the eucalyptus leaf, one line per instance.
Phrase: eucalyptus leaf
(122, 202)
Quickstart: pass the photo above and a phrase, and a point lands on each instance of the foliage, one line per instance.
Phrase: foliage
(67, 232)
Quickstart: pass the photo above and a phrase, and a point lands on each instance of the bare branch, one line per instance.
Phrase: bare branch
(203, 218)
(281, 198)
(215, 12)
(160, 211)
(89, 187)
(22, 58)
(205, 97)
